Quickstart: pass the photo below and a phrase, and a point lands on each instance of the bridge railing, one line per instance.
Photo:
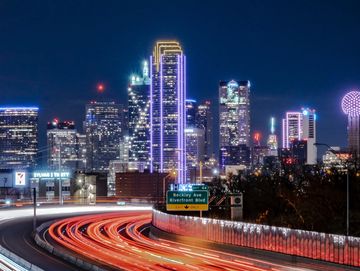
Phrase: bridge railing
(315, 245)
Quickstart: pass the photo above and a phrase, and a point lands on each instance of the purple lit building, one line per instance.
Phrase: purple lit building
(167, 109)
(351, 107)
(301, 126)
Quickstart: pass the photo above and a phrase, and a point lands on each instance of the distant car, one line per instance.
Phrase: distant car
(5, 202)
(121, 203)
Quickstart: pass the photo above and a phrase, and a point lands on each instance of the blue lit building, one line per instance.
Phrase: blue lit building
(167, 109)
(18, 137)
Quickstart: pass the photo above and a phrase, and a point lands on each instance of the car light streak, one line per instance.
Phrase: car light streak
(117, 240)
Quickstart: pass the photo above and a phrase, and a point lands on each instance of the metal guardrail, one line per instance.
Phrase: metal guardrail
(333, 248)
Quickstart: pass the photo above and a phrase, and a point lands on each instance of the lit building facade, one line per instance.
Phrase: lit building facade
(234, 119)
(258, 155)
(65, 146)
(204, 120)
(103, 129)
(301, 126)
(194, 147)
(167, 109)
(139, 118)
(334, 157)
(272, 141)
(191, 108)
(18, 137)
(235, 156)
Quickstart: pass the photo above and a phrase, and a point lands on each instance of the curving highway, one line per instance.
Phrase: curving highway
(16, 228)
(119, 241)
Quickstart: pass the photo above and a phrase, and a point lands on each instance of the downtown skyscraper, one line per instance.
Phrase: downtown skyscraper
(167, 109)
(65, 146)
(300, 127)
(139, 119)
(18, 137)
(204, 120)
(234, 97)
(103, 129)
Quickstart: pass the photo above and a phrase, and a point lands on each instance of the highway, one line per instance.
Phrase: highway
(120, 241)
(16, 227)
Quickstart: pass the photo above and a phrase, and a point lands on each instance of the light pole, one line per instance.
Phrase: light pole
(60, 184)
(347, 184)
(34, 218)
(171, 174)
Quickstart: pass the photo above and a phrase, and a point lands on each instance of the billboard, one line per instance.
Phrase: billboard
(51, 175)
(20, 178)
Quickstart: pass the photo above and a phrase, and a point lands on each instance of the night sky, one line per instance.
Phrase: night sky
(296, 53)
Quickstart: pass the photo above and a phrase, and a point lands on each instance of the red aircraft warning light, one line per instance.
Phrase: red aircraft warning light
(100, 88)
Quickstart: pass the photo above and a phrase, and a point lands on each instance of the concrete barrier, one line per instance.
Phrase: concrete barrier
(18, 260)
(61, 253)
(333, 248)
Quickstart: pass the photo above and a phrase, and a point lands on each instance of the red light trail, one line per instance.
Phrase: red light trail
(117, 240)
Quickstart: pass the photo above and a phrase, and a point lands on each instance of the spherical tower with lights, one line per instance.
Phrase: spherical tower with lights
(350, 105)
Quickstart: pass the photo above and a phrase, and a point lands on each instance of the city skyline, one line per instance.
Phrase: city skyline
(75, 61)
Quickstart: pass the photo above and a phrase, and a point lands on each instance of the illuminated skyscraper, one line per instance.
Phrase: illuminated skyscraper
(167, 107)
(351, 107)
(18, 137)
(234, 99)
(103, 129)
(301, 126)
(291, 126)
(191, 108)
(204, 120)
(139, 121)
(194, 149)
(65, 146)
(272, 141)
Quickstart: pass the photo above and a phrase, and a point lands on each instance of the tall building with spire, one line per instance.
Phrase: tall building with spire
(272, 142)
(167, 109)
(350, 104)
(139, 120)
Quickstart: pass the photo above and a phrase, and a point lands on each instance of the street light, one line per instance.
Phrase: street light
(171, 174)
(347, 183)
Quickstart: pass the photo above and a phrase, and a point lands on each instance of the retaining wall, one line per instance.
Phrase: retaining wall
(315, 245)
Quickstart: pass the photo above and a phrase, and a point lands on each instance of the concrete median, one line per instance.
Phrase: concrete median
(61, 253)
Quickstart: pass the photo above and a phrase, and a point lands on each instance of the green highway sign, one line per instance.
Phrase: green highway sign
(197, 187)
(187, 200)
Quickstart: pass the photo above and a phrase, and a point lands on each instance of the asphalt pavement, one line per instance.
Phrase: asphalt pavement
(16, 237)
